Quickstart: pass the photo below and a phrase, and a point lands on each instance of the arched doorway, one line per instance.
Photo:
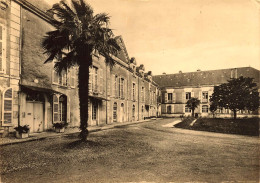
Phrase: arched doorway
(122, 112)
(115, 112)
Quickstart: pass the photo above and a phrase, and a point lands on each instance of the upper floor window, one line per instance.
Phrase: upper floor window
(142, 93)
(95, 79)
(133, 90)
(2, 48)
(188, 95)
(169, 96)
(121, 87)
(205, 96)
(115, 86)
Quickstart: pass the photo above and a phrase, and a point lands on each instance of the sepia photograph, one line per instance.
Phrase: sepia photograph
(129, 91)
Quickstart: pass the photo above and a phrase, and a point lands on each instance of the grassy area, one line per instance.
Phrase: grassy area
(247, 126)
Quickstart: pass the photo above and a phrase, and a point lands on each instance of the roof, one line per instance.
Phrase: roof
(200, 78)
(122, 54)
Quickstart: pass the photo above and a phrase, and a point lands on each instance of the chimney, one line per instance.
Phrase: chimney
(180, 72)
(198, 70)
(164, 73)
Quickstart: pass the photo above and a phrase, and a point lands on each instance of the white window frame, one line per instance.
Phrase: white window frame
(3, 41)
(187, 95)
(187, 109)
(203, 109)
(3, 105)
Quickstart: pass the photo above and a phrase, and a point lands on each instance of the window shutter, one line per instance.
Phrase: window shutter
(166, 97)
(108, 85)
(113, 85)
(55, 77)
(55, 108)
(68, 109)
(8, 107)
(192, 94)
(2, 48)
(183, 98)
(173, 97)
(200, 95)
(100, 80)
(90, 88)
(183, 108)
(72, 77)
(172, 109)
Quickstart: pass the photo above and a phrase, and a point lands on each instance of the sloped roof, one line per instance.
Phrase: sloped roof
(200, 78)
(122, 54)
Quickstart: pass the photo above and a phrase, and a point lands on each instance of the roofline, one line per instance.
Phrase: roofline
(208, 71)
(25, 4)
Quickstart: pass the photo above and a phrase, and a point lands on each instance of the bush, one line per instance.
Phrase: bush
(60, 125)
(22, 129)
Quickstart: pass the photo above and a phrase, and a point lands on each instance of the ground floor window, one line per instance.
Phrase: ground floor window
(63, 108)
(169, 109)
(94, 111)
(115, 112)
(187, 109)
(133, 112)
(205, 109)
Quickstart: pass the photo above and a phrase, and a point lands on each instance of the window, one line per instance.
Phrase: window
(187, 109)
(62, 108)
(115, 112)
(2, 48)
(205, 96)
(188, 95)
(121, 87)
(133, 113)
(205, 109)
(95, 79)
(73, 77)
(8, 107)
(133, 90)
(94, 111)
(63, 78)
(115, 86)
(169, 97)
(142, 94)
(169, 109)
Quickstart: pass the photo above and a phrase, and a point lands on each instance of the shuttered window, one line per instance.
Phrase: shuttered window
(101, 82)
(8, 107)
(55, 108)
(166, 97)
(90, 88)
(2, 48)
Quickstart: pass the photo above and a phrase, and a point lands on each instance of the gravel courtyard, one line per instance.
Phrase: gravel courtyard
(145, 152)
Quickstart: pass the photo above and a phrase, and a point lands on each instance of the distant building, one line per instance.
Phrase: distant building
(178, 88)
(33, 94)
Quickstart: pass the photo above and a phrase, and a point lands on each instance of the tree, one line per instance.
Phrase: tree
(237, 94)
(213, 107)
(79, 35)
(193, 103)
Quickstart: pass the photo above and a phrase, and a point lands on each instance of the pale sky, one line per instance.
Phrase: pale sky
(173, 35)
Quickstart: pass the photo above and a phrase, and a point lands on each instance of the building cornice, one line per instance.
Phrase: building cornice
(26, 5)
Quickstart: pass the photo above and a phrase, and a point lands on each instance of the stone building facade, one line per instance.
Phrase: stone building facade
(178, 88)
(33, 94)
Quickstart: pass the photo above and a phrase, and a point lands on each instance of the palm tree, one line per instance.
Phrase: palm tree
(193, 103)
(79, 35)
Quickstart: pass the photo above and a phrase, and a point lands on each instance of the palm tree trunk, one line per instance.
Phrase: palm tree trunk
(83, 81)
(235, 114)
